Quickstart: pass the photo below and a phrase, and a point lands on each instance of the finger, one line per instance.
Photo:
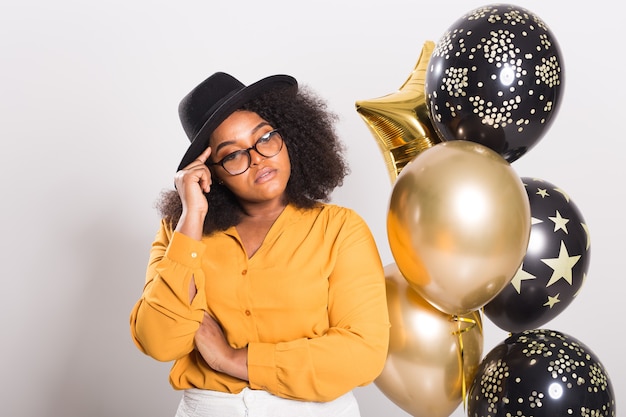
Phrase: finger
(204, 156)
(194, 175)
(206, 179)
(200, 160)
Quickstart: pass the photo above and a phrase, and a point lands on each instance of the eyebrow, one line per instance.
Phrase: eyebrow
(230, 142)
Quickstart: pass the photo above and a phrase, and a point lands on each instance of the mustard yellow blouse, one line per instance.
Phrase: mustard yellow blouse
(310, 305)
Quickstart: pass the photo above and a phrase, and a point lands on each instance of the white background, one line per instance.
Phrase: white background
(90, 136)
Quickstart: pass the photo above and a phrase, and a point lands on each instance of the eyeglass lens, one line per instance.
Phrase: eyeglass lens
(268, 145)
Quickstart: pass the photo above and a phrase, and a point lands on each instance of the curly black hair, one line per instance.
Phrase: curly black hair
(318, 164)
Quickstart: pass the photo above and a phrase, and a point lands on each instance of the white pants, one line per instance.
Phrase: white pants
(258, 403)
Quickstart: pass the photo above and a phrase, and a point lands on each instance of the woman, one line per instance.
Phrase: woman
(269, 300)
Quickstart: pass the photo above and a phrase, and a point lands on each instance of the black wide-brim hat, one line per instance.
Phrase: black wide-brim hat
(212, 101)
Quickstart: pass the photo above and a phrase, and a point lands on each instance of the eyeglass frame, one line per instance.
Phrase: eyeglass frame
(247, 152)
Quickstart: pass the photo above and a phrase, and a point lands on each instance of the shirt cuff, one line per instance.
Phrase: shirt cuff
(185, 250)
(262, 372)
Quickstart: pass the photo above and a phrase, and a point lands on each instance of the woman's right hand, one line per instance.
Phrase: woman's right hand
(192, 182)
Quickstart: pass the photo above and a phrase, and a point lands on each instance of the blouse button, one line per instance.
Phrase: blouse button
(194, 255)
(244, 272)
(248, 312)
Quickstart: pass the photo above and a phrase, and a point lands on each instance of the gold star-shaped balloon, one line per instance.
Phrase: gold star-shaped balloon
(400, 121)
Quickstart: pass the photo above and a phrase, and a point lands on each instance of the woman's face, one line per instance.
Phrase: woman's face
(266, 178)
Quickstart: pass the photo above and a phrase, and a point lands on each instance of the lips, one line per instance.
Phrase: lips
(264, 174)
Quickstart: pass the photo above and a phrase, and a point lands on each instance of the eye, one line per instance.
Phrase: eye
(233, 156)
(266, 137)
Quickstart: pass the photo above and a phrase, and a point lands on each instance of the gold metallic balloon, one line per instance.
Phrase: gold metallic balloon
(400, 122)
(458, 225)
(432, 356)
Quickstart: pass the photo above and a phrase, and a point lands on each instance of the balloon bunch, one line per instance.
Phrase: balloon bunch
(469, 236)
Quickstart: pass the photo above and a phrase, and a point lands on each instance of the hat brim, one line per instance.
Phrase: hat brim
(201, 140)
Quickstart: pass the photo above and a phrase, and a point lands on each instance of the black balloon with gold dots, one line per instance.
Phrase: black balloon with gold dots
(541, 373)
(495, 77)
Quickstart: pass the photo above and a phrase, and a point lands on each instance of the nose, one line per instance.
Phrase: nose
(255, 157)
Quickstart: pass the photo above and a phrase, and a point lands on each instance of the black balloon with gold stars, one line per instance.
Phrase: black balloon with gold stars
(554, 267)
(541, 373)
(495, 77)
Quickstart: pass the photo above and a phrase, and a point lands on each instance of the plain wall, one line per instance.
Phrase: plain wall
(90, 136)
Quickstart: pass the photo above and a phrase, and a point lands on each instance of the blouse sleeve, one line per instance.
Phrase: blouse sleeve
(353, 351)
(163, 322)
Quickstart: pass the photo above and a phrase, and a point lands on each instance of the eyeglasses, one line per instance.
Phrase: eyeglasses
(238, 162)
